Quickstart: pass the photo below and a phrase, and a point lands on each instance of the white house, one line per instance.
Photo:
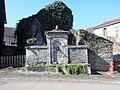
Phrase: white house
(109, 30)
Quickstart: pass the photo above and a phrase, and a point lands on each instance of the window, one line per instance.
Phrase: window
(7, 40)
(104, 31)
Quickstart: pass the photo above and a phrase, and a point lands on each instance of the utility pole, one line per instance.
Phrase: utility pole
(2, 22)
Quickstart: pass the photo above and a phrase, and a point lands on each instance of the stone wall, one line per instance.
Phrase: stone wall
(100, 49)
(41, 54)
(37, 54)
(78, 54)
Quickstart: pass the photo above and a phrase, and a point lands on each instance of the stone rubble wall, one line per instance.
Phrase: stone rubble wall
(37, 54)
(78, 54)
(41, 54)
(100, 51)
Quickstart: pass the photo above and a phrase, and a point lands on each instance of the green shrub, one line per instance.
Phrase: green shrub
(59, 68)
(71, 69)
(76, 69)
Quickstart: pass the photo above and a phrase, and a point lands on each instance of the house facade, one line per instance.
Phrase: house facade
(9, 38)
(109, 30)
(9, 43)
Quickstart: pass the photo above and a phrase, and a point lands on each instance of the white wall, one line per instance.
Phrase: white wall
(110, 30)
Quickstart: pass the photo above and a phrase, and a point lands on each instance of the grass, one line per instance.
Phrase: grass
(66, 69)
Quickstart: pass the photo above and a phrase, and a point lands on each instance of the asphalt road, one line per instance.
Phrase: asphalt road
(10, 80)
(54, 85)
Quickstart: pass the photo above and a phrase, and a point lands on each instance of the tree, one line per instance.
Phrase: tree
(53, 14)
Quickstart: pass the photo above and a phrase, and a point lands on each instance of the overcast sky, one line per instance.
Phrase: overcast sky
(87, 13)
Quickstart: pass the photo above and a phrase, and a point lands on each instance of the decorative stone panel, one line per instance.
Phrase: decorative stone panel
(37, 54)
(78, 54)
(57, 42)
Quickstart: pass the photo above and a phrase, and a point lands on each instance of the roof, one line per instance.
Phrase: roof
(90, 29)
(2, 12)
(108, 23)
(9, 31)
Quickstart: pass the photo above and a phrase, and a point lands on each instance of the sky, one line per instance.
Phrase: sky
(86, 13)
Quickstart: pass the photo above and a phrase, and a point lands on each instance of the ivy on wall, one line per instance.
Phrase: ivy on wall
(51, 15)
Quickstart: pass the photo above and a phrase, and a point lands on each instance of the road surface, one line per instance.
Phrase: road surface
(54, 85)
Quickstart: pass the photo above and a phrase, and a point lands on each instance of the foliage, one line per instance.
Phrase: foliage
(59, 67)
(54, 14)
(71, 69)
(31, 41)
(23, 31)
(76, 69)
(24, 25)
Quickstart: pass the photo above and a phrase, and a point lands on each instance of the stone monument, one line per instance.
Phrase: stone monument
(57, 50)
(57, 41)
